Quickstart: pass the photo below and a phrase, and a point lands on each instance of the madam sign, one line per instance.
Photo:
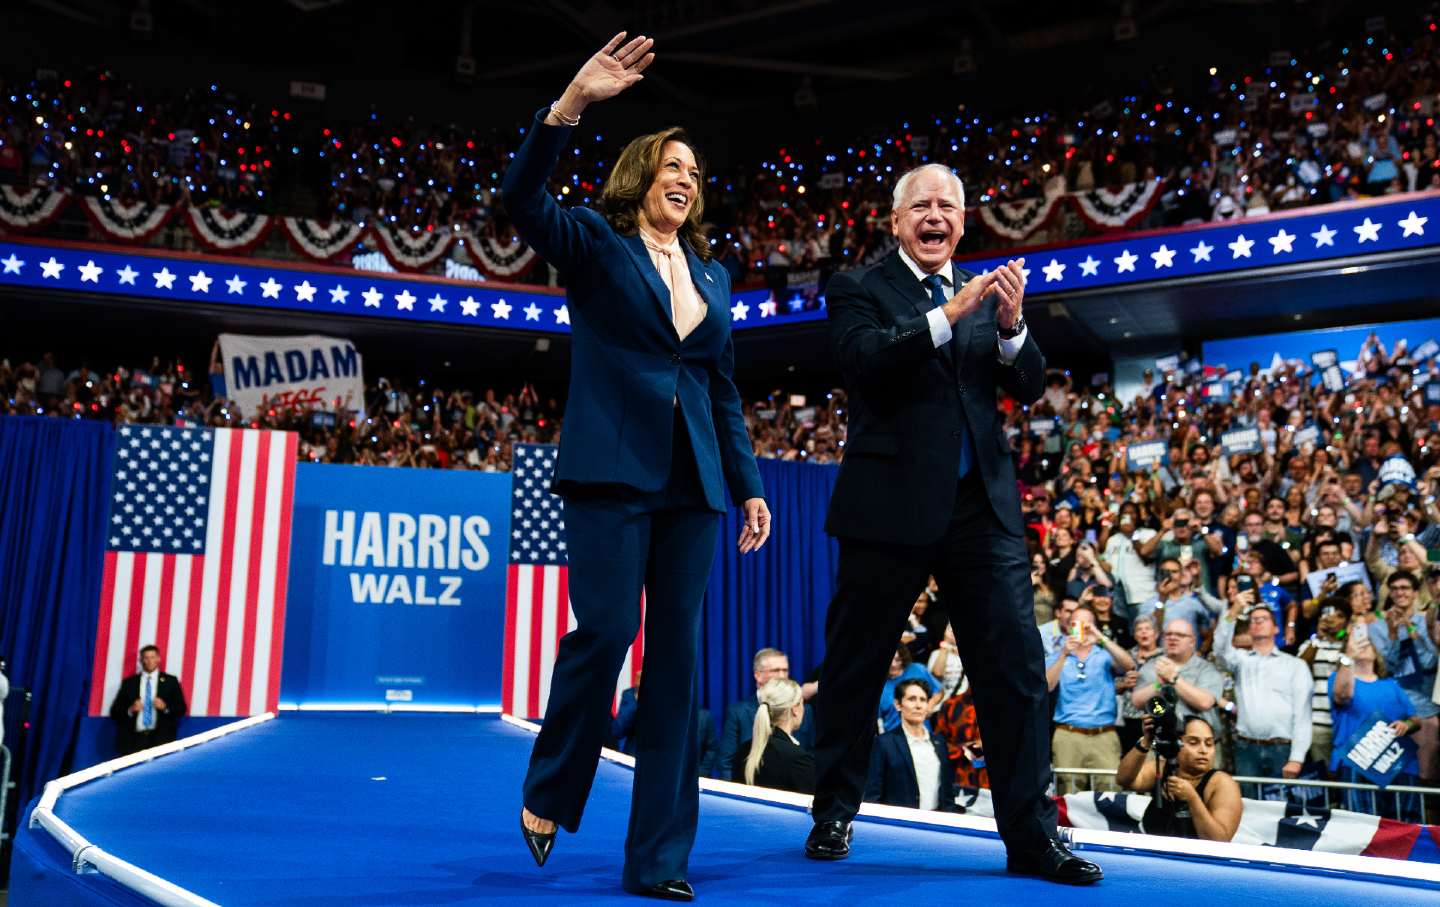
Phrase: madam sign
(305, 371)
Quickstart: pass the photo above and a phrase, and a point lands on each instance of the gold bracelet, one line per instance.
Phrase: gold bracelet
(567, 120)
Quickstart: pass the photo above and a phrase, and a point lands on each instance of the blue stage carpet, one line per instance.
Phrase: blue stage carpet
(389, 810)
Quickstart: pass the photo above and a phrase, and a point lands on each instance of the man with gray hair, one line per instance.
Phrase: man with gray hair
(1199, 685)
(739, 721)
(928, 488)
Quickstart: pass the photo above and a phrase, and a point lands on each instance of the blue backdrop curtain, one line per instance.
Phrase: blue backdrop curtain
(54, 484)
(776, 597)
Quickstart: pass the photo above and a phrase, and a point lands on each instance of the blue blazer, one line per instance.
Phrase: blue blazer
(892, 773)
(628, 366)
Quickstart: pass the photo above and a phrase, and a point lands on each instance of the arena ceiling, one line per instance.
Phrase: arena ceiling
(752, 70)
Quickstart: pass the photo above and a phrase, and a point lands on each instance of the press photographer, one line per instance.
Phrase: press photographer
(1193, 799)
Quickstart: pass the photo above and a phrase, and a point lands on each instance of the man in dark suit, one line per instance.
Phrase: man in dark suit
(148, 707)
(902, 758)
(622, 730)
(739, 722)
(928, 487)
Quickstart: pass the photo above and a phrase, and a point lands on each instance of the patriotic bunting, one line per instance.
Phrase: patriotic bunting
(1018, 220)
(29, 209)
(321, 240)
(411, 251)
(513, 259)
(1106, 210)
(124, 222)
(223, 232)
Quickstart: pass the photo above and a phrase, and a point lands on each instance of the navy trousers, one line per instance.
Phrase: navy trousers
(619, 540)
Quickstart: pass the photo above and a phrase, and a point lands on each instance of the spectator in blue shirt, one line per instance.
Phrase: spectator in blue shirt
(1181, 597)
(903, 668)
(1085, 711)
(1404, 642)
(1359, 689)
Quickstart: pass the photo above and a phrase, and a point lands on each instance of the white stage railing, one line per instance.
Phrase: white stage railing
(87, 857)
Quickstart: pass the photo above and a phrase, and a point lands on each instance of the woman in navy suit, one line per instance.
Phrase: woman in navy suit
(653, 439)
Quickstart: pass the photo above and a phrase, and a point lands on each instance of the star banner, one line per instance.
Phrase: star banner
(1308, 236)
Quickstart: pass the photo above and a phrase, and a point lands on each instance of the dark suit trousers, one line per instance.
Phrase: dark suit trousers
(983, 573)
(619, 540)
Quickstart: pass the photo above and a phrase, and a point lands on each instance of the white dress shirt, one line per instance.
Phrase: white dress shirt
(152, 678)
(940, 330)
(1272, 693)
(927, 768)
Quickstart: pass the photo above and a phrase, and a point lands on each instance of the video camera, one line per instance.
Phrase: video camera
(1165, 722)
(1165, 737)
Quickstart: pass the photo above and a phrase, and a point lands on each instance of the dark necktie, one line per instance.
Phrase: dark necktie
(936, 284)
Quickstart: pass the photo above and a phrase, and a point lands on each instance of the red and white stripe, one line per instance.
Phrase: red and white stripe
(218, 618)
(537, 615)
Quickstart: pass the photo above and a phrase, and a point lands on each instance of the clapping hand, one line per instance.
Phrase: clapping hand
(1010, 287)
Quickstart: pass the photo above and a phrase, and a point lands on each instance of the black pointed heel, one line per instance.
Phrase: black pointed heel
(540, 844)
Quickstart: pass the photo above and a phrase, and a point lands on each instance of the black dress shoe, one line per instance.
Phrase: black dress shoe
(829, 840)
(673, 890)
(540, 844)
(1056, 864)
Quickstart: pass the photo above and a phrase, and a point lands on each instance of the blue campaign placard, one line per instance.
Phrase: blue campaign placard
(1240, 441)
(1374, 752)
(397, 586)
(1140, 457)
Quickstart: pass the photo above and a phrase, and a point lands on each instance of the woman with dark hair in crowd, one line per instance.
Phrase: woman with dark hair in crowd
(1211, 797)
(1060, 559)
(1361, 602)
(654, 438)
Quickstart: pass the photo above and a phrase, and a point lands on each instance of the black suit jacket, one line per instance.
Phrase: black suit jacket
(892, 773)
(907, 401)
(785, 765)
(167, 720)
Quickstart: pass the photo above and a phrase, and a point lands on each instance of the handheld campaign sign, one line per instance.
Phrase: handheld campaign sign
(1397, 471)
(397, 586)
(1042, 427)
(1426, 350)
(1240, 441)
(1432, 392)
(1375, 752)
(1323, 359)
(1140, 457)
(1333, 378)
(1343, 574)
(1167, 364)
(1216, 392)
(1308, 434)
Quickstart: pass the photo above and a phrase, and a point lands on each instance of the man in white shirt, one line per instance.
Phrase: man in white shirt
(1136, 578)
(1273, 721)
(148, 706)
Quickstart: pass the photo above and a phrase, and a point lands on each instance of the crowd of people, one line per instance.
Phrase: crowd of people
(1284, 594)
(402, 423)
(1355, 117)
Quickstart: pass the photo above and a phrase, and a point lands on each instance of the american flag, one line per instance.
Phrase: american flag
(537, 599)
(196, 563)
